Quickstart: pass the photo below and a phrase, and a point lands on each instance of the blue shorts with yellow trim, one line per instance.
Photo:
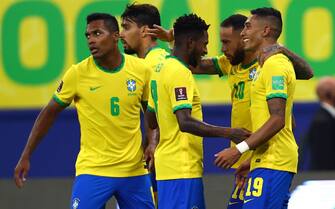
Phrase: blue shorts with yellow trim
(181, 194)
(90, 191)
(267, 189)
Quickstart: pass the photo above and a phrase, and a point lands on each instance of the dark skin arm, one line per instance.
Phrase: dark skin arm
(152, 138)
(206, 67)
(41, 126)
(271, 127)
(191, 125)
(303, 70)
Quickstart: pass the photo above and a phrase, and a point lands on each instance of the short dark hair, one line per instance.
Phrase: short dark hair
(109, 20)
(236, 21)
(189, 25)
(272, 15)
(142, 14)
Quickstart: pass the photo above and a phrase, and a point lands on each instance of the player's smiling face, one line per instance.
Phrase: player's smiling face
(130, 36)
(100, 40)
(252, 34)
(232, 45)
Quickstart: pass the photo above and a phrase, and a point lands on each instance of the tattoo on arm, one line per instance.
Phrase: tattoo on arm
(302, 69)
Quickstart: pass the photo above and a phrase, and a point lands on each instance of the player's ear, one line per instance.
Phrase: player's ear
(266, 30)
(144, 30)
(190, 43)
(116, 36)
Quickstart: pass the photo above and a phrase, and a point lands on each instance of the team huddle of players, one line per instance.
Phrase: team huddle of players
(110, 88)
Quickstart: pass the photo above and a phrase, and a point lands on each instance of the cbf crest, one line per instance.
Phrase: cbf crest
(131, 85)
(252, 73)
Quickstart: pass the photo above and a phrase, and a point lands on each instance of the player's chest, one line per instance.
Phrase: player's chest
(102, 88)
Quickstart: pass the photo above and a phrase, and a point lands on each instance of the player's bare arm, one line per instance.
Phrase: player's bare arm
(303, 70)
(275, 123)
(152, 137)
(41, 126)
(206, 66)
(191, 125)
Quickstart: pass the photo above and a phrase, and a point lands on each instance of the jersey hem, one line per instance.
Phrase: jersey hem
(182, 106)
(276, 95)
(59, 101)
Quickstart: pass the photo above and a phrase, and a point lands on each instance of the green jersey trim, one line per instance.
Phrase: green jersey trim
(115, 70)
(181, 61)
(58, 101)
(276, 95)
(182, 106)
(150, 109)
(217, 66)
(246, 66)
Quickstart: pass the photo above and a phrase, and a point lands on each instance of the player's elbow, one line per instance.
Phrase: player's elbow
(279, 122)
(183, 127)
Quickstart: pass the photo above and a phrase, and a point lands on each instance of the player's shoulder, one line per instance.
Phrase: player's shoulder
(278, 62)
(277, 59)
(135, 63)
(174, 65)
(84, 65)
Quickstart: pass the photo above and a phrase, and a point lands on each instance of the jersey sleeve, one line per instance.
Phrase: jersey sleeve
(145, 95)
(67, 88)
(222, 65)
(181, 88)
(153, 92)
(276, 77)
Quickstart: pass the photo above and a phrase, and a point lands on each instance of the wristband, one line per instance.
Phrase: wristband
(242, 147)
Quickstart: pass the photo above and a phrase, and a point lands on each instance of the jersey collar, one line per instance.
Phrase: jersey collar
(115, 70)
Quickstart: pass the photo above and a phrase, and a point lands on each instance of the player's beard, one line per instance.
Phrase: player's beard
(129, 51)
(194, 60)
(238, 57)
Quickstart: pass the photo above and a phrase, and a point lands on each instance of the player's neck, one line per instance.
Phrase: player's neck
(110, 61)
(265, 44)
(146, 47)
(250, 56)
(181, 54)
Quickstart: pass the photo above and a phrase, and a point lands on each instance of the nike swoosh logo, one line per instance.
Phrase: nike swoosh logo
(94, 88)
(245, 201)
(232, 203)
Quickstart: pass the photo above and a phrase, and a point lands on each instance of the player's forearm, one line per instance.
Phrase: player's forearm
(205, 67)
(302, 69)
(203, 129)
(266, 132)
(41, 126)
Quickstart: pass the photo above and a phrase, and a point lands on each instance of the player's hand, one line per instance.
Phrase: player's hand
(227, 157)
(241, 174)
(269, 51)
(149, 156)
(21, 171)
(239, 134)
(160, 33)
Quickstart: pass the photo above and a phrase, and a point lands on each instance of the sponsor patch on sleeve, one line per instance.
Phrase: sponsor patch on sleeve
(60, 86)
(278, 82)
(180, 93)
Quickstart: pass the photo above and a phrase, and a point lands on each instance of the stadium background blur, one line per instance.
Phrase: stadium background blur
(41, 39)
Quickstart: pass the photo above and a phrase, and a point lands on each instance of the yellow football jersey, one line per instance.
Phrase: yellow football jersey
(108, 105)
(155, 56)
(276, 79)
(239, 79)
(178, 154)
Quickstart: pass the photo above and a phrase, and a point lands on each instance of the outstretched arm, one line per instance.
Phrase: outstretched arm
(303, 70)
(272, 126)
(42, 124)
(191, 125)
